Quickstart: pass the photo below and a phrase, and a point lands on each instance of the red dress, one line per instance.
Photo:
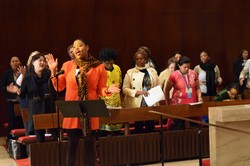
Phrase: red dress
(182, 85)
(184, 90)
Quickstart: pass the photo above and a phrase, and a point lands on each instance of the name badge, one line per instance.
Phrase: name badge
(189, 92)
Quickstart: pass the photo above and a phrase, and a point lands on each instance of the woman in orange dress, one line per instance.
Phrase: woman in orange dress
(84, 79)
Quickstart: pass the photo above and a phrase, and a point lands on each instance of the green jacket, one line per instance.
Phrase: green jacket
(222, 95)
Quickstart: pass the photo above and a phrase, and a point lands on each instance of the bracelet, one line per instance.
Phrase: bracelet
(107, 91)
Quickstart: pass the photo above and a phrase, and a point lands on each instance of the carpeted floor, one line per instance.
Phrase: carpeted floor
(5, 159)
(23, 162)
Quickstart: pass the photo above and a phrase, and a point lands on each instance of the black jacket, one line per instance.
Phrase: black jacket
(7, 79)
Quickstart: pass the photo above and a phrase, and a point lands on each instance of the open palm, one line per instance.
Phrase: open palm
(52, 63)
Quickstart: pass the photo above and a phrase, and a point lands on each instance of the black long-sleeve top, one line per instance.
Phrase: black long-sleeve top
(7, 79)
(237, 67)
(40, 98)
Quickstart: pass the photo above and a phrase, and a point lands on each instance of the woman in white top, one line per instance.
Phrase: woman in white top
(244, 73)
(238, 67)
(209, 75)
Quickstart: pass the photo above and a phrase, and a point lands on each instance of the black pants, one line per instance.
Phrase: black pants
(74, 136)
(144, 126)
(178, 124)
(14, 122)
(40, 136)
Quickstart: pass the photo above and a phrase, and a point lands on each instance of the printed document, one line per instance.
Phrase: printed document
(155, 94)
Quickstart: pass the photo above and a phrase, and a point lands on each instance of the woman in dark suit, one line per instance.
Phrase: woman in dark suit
(7, 82)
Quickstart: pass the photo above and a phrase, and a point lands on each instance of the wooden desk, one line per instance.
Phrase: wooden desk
(126, 115)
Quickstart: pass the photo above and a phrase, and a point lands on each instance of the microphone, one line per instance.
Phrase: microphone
(59, 73)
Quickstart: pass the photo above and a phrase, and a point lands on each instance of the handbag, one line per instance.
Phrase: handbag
(16, 150)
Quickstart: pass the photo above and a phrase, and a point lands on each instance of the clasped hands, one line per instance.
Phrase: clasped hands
(13, 89)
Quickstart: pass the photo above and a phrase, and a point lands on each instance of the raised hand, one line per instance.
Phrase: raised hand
(52, 63)
(22, 70)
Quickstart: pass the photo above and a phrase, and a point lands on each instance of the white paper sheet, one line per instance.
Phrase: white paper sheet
(155, 94)
(195, 103)
(114, 108)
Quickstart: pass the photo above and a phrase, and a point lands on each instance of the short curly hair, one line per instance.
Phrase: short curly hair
(183, 60)
(107, 54)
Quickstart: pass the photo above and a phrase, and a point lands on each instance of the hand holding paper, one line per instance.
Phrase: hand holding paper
(155, 94)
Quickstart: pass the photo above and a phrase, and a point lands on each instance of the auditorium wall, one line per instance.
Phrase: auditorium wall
(218, 26)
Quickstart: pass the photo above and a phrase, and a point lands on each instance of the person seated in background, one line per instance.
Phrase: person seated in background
(229, 93)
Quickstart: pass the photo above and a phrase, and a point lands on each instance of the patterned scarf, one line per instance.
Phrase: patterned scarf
(85, 65)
